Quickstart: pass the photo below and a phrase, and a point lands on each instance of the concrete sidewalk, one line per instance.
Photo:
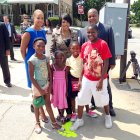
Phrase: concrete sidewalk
(17, 122)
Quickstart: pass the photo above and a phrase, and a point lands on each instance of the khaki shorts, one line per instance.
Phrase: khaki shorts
(36, 91)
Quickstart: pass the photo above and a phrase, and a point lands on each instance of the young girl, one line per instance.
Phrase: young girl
(95, 54)
(59, 71)
(40, 75)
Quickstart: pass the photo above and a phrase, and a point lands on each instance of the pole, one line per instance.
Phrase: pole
(124, 57)
(81, 19)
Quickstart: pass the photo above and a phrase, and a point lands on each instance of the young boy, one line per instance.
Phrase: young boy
(95, 54)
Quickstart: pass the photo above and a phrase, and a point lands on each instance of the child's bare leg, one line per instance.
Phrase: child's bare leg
(42, 113)
(62, 116)
(73, 105)
(37, 125)
(49, 108)
(36, 114)
(80, 112)
(54, 124)
(106, 109)
(87, 108)
(61, 112)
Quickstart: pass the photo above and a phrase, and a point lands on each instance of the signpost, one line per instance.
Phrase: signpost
(80, 9)
(80, 12)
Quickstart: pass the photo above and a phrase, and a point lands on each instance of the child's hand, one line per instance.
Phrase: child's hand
(79, 85)
(43, 92)
(66, 94)
(99, 85)
(50, 90)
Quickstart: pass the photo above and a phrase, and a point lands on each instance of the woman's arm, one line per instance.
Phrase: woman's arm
(50, 77)
(24, 44)
(53, 46)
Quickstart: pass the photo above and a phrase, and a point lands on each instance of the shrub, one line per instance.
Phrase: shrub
(54, 21)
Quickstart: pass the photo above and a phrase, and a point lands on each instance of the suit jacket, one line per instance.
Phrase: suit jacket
(4, 39)
(13, 32)
(105, 33)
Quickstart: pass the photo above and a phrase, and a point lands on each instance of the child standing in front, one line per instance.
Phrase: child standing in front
(59, 71)
(75, 65)
(40, 75)
(95, 54)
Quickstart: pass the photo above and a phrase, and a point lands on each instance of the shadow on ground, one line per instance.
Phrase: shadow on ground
(94, 128)
(15, 90)
(122, 86)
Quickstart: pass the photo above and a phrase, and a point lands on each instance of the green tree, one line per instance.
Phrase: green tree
(97, 4)
(135, 8)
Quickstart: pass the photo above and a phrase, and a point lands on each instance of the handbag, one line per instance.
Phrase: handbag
(74, 85)
(38, 102)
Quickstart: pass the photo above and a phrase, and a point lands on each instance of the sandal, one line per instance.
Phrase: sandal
(45, 120)
(67, 119)
(38, 129)
(56, 126)
(58, 118)
(63, 120)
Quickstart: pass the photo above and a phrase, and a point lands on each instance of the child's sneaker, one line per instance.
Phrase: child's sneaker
(92, 114)
(78, 123)
(108, 121)
(73, 117)
(38, 129)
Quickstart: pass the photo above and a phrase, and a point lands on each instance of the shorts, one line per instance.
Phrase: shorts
(88, 89)
(37, 93)
(71, 94)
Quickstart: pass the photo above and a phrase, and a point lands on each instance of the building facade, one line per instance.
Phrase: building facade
(16, 8)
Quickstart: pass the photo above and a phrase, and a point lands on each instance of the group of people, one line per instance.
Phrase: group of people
(79, 66)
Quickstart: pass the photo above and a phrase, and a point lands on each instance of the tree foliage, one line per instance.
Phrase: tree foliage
(135, 8)
(97, 4)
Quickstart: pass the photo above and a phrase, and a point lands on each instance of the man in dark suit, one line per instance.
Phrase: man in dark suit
(105, 33)
(4, 52)
(12, 35)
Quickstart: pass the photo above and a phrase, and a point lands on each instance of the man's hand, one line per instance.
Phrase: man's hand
(112, 67)
(7, 52)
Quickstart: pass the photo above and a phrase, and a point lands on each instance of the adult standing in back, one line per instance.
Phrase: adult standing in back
(12, 35)
(4, 52)
(48, 28)
(105, 33)
(25, 24)
(29, 36)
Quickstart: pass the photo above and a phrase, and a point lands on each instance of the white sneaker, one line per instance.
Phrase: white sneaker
(78, 123)
(108, 121)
